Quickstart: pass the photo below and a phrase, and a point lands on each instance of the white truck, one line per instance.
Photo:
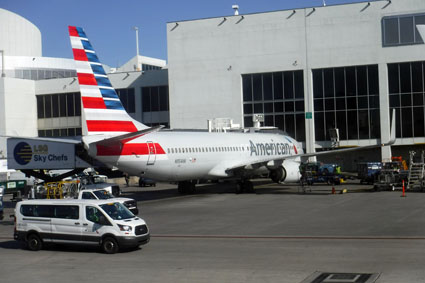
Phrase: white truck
(99, 182)
(102, 194)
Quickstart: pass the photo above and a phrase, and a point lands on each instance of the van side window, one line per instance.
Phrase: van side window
(37, 210)
(93, 214)
(66, 211)
(27, 210)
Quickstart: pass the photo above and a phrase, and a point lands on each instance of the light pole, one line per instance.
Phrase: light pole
(137, 48)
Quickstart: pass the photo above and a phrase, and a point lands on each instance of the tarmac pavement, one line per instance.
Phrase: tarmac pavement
(278, 234)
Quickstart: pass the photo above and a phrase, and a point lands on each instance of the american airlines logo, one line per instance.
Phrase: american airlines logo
(269, 148)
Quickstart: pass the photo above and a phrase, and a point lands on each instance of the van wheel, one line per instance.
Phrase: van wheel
(34, 242)
(110, 245)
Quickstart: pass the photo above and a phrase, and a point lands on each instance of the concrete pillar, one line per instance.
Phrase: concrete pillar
(310, 138)
(384, 111)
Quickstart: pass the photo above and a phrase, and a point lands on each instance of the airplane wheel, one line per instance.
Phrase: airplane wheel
(181, 188)
(239, 188)
(249, 187)
(186, 187)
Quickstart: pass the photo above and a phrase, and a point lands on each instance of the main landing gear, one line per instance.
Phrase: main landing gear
(186, 187)
(244, 187)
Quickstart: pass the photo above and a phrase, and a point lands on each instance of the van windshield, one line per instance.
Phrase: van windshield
(117, 211)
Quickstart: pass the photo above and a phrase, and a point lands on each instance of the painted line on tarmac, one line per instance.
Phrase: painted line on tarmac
(284, 237)
(270, 237)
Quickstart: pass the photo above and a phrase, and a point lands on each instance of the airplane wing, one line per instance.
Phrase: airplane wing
(275, 162)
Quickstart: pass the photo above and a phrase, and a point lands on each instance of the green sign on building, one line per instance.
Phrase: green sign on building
(308, 115)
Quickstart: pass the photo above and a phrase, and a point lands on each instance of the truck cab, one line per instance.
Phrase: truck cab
(102, 194)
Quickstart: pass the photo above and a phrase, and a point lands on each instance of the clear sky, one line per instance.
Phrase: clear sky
(109, 23)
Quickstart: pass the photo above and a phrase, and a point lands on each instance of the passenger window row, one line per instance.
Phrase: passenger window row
(207, 149)
(51, 211)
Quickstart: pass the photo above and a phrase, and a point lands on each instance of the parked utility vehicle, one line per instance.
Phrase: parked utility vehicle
(103, 223)
(102, 194)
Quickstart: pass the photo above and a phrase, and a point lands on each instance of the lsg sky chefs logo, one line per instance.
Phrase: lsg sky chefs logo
(22, 153)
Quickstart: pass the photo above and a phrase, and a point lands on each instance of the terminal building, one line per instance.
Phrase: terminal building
(311, 72)
(308, 71)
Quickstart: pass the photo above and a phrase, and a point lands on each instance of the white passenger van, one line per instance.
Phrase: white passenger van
(98, 222)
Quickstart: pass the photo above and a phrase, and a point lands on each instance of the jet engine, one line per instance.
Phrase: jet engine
(288, 172)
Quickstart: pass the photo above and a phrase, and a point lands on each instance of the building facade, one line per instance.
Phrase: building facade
(308, 71)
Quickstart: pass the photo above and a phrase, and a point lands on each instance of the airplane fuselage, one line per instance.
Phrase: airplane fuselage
(179, 156)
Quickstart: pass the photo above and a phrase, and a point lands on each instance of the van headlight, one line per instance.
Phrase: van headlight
(125, 228)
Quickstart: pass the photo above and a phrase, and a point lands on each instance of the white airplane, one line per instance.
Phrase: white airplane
(111, 136)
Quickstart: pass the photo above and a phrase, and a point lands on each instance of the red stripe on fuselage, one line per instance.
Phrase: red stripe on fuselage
(86, 79)
(129, 149)
(110, 126)
(93, 102)
(80, 55)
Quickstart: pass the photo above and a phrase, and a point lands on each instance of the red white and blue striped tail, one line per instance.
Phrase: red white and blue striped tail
(103, 113)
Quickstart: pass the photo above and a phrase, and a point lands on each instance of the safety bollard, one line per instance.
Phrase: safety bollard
(404, 191)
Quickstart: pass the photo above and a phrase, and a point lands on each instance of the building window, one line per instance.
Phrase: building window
(127, 98)
(155, 106)
(58, 105)
(147, 67)
(155, 98)
(347, 98)
(406, 95)
(43, 74)
(401, 30)
(280, 97)
(66, 132)
(53, 106)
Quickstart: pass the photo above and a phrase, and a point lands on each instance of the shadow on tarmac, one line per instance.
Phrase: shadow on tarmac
(262, 187)
(15, 245)
(11, 245)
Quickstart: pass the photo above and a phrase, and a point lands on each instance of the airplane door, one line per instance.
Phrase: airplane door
(151, 153)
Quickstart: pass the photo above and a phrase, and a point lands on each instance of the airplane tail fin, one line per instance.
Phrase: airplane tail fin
(102, 111)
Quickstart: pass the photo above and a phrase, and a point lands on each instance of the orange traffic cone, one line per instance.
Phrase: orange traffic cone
(404, 191)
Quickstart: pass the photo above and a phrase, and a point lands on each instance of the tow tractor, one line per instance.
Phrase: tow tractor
(392, 175)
